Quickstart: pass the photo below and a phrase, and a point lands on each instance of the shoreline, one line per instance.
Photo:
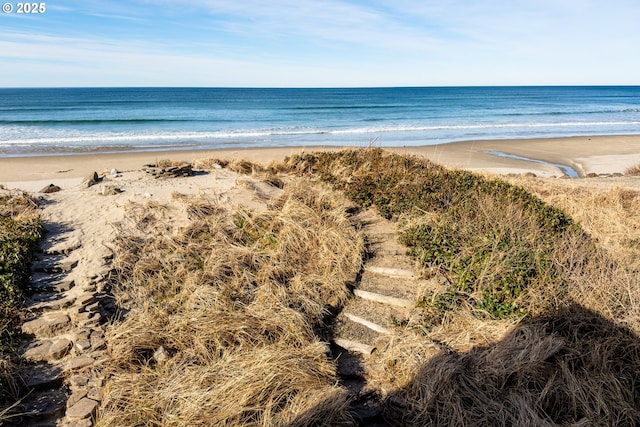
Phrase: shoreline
(584, 154)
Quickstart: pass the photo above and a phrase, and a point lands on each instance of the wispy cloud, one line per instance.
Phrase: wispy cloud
(324, 42)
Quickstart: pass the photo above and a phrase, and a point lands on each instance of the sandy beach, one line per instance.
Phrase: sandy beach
(585, 155)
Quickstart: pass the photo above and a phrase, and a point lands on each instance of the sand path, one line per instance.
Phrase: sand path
(70, 305)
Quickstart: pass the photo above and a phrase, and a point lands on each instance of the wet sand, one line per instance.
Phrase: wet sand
(585, 155)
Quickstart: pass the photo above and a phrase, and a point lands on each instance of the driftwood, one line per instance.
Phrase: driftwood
(183, 169)
(372, 296)
(354, 346)
(368, 324)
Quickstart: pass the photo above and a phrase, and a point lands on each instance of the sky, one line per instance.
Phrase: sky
(321, 43)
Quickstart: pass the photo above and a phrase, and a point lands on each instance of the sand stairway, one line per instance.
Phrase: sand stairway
(383, 305)
(64, 343)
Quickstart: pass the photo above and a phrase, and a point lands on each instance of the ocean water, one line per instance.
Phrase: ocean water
(82, 120)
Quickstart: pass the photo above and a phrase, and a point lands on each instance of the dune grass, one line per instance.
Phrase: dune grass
(225, 317)
(633, 170)
(20, 231)
(537, 322)
(493, 240)
(564, 307)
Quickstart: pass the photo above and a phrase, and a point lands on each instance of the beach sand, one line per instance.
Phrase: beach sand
(595, 154)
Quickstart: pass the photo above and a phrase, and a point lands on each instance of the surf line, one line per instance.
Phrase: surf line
(567, 170)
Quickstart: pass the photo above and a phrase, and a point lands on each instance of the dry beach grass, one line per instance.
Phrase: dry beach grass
(223, 316)
(224, 307)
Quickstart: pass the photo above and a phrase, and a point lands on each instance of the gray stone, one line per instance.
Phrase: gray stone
(84, 408)
(92, 321)
(78, 380)
(79, 362)
(87, 422)
(82, 333)
(48, 350)
(98, 344)
(83, 345)
(90, 180)
(95, 394)
(43, 376)
(59, 348)
(38, 351)
(47, 325)
(76, 396)
(54, 301)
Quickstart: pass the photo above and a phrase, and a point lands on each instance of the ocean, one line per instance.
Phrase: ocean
(86, 120)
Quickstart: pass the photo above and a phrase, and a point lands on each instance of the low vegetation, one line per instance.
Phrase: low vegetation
(495, 242)
(223, 320)
(20, 231)
(225, 317)
(566, 301)
(633, 170)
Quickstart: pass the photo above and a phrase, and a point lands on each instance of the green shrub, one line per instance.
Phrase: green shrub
(493, 240)
(20, 231)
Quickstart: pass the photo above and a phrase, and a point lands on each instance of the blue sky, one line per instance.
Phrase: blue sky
(321, 43)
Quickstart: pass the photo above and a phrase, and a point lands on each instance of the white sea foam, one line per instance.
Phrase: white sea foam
(29, 136)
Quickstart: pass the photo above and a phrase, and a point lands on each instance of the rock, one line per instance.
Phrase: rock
(47, 325)
(54, 301)
(95, 394)
(182, 169)
(83, 345)
(76, 396)
(90, 180)
(617, 174)
(87, 422)
(592, 175)
(78, 380)
(98, 344)
(530, 175)
(97, 340)
(51, 188)
(114, 172)
(43, 376)
(86, 298)
(38, 351)
(84, 408)
(60, 348)
(79, 362)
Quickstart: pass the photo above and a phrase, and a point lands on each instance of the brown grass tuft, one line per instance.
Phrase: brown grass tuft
(573, 368)
(633, 170)
(235, 302)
